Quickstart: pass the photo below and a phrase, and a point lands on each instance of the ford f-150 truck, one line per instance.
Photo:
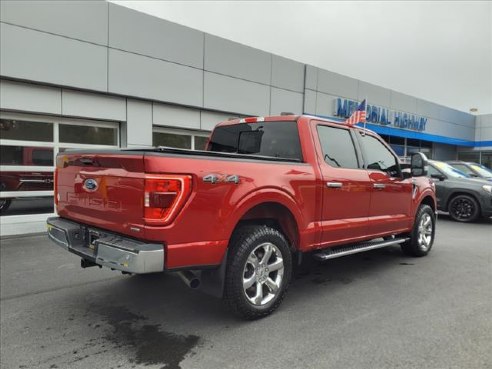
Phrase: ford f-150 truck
(235, 218)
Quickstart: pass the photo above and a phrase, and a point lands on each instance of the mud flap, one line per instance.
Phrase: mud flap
(212, 281)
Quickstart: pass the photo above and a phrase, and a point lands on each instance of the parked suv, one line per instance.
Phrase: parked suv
(465, 198)
(235, 218)
(473, 170)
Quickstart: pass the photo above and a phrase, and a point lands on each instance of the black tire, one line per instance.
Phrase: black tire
(243, 268)
(422, 235)
(463, 208)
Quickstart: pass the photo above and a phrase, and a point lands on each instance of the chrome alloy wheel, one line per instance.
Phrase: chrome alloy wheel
(425, 232)
(263, 274)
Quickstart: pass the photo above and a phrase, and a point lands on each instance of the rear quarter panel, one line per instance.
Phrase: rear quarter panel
(201, 231)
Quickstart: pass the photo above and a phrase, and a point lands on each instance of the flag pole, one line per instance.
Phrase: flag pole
(365, 120)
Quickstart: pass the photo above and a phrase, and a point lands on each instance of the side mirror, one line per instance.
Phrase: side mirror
(440, 177)
(419, 165)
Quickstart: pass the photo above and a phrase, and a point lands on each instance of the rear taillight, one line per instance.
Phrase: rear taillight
(164, 197)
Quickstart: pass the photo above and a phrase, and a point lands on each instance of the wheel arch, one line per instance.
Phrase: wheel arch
(276, 211)
(429, 200)
(463, 192)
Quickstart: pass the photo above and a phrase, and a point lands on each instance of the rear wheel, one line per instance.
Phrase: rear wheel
(463, 208)
(258, 271)
(422, 235)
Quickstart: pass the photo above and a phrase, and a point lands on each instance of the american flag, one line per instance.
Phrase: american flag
(358, 116)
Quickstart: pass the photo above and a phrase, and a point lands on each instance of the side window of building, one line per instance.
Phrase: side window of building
(378, 157)
(338, 147)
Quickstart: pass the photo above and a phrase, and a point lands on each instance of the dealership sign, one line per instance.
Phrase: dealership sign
(383, 116)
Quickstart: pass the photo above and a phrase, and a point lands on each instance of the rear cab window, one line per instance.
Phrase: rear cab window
(277, 139)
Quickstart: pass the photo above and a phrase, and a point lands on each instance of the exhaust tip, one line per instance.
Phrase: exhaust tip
(194, 283)
(190, 279)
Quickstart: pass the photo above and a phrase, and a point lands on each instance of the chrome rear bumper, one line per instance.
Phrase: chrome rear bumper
(105, 248)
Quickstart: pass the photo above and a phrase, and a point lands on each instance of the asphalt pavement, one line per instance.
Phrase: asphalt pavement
(373, 310)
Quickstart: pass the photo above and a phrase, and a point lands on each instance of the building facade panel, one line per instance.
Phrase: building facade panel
(403, 102)
(236, 60)
(144, 77)
(311, 79)
(484, 128)
(210, 118)
(90, 105)
(285, 101)
(41, 57)
(309, 102)
(175, 116)
(287, 74)
(139, 123)
(448, 129)
(444, 152)
(143, 34)
(427, 109)
(455, 116)
(235, 95)
(325, 104)
(336, 84)
(29, 97)
(374, 94)
(64, 18)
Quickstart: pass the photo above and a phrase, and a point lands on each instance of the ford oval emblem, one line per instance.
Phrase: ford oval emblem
(90, 185)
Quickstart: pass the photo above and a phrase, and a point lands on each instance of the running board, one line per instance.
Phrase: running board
(339, 251)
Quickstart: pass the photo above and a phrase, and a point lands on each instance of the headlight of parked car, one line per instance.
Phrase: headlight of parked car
(487, 188)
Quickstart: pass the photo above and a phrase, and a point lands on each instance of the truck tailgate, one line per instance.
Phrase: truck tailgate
(103, 190)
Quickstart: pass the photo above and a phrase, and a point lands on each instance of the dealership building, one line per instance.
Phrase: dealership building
(97, 75)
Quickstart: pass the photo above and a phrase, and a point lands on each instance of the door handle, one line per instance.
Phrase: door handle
(334, 184)
(379, 186)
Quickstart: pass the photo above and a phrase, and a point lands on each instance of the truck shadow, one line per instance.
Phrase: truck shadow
(157, 320)
(165, 296)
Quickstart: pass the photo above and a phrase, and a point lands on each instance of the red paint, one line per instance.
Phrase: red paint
(203, 221)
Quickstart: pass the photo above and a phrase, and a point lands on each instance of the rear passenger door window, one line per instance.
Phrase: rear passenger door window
(338, 147)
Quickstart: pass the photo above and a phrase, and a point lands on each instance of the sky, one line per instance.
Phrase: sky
(439, 51)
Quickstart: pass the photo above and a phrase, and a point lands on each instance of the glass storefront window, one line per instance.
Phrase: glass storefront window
(484, 157)
(27, 152)
(473, 157)
(11, 129)
(26, 181)
(88, 135)
(26, 155)
(200, 142)
(171, 140)
(26, 205)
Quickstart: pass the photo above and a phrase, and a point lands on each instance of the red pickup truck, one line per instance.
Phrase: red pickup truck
(235, 219)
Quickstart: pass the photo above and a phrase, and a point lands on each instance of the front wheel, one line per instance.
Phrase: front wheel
(258, 271)
(422, 235)
(463, 208)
